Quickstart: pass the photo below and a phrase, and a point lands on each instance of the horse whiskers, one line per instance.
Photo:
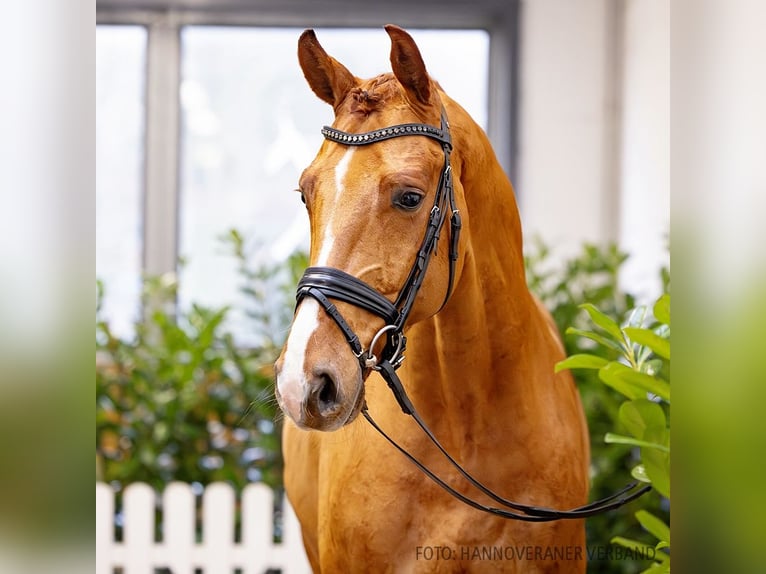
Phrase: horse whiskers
(265, 398)
(279, 416)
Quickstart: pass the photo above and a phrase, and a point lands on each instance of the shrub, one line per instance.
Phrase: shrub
(591, 277)
(182, 400)
(640, 374)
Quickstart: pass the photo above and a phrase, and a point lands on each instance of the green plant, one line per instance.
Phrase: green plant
(267, 292)
(183, 400)
(183, 389)
(640, 374)
(592, 276)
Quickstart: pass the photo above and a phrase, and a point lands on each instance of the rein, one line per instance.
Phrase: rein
(326, 283)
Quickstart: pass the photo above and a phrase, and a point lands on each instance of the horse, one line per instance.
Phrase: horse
(480, 348)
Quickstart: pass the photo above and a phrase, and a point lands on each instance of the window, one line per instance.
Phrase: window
(120, 67)
(250, 125)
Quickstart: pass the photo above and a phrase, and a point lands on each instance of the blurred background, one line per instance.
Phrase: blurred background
(203, 125)
(204, 122)
(48, 157)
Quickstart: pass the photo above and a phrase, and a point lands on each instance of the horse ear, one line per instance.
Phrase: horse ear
(328, 78)
(407, 65)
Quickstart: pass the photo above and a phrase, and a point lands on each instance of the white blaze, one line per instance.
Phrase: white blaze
(328, 238)
(291, 381)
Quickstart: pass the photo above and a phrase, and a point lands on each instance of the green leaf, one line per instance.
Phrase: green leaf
(652, 366)
(653, 525)
(656, 462)
(603, 321)
(662, 309)
(600, 339)
(639, 414)
(639, 473)
(636, 317)
(617, 372)
(650, 339)
(640, 547)
(581, 361)
(613, 438)
(619, 385)
(628, 542)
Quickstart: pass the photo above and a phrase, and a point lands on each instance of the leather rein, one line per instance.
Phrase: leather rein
(327, 283)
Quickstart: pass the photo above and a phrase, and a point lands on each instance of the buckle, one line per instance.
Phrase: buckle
(370, 361)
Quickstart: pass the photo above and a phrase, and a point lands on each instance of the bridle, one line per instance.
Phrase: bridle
(326, 283)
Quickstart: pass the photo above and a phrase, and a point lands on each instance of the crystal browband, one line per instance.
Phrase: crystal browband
(338, 136)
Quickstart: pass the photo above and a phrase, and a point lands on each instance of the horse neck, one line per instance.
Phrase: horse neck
(486, 346)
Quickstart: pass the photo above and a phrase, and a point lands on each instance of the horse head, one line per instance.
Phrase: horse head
(369, 207)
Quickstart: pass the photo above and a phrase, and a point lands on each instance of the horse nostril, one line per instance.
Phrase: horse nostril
(328, 392)
(323, 397)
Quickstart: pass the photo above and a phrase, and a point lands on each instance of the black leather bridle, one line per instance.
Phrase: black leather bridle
(326, 283)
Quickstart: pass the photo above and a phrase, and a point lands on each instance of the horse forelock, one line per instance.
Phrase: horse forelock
(371, 95)
(378, 94)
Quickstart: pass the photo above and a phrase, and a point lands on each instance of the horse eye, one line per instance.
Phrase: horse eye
(303, 199)
(409, 200)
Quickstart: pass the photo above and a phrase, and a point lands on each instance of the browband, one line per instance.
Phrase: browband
(439, 134)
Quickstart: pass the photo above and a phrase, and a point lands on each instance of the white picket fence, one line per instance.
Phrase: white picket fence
(178, 550)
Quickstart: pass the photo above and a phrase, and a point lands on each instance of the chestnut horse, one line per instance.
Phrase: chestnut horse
(479, 366)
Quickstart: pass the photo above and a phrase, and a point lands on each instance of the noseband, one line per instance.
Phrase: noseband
(326, 283)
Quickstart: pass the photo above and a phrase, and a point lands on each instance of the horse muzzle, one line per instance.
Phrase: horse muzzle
(321, 404)
(319, 384)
